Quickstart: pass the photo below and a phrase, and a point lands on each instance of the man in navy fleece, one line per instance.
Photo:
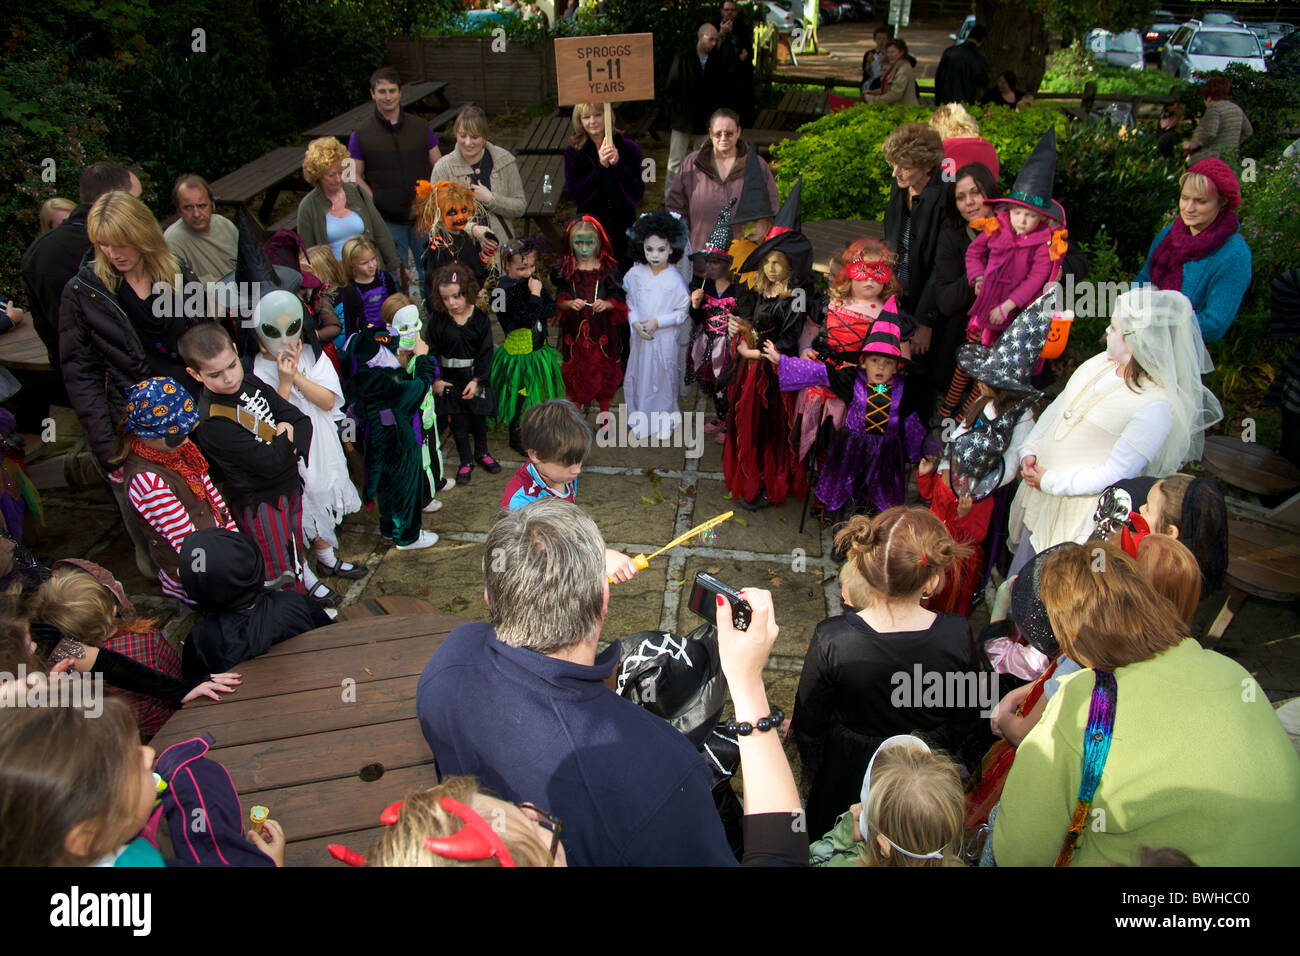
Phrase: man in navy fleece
(522, 705)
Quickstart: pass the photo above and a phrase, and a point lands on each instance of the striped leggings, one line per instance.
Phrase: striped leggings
(276, 527)
(957, 400)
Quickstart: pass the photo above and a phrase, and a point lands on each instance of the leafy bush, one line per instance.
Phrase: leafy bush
(1070, 69)
(1114, 178)
(66, 129)
(845, 174)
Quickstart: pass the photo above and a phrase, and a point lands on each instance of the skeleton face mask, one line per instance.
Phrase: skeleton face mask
(277, 320)
(407, 325)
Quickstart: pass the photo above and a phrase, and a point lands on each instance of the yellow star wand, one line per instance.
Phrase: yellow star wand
(643, 561)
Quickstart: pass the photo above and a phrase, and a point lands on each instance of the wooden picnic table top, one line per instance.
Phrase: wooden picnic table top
(830, 237)
(261, 174)
(533, 170)
(764, 139)
(412, 93)
(325, 755)
(21, 348)
(545, 134)
(1250, 465)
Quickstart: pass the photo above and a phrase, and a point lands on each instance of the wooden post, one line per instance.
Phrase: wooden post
(609, 122)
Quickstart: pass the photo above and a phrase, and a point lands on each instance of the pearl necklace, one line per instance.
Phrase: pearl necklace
(1071, 417)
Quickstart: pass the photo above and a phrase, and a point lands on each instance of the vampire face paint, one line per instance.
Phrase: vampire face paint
(657, 250)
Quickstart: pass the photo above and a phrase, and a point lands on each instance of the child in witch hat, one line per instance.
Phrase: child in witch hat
(760, 462)
(592, 308)
(980, 457)
(1014, 256)
(716, 299)
(867, 458)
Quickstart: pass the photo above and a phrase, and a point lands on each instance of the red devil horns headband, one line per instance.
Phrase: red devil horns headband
(476, 840)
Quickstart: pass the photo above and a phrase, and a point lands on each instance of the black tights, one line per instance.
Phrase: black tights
(461, 424)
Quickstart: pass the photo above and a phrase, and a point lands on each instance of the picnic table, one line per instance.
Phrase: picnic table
(21, 348)
(412, 93)
(267, 174)
(533, 170)
(545, 134)
(796, 108)
(830, 237)
(764, 139)
(323, 729)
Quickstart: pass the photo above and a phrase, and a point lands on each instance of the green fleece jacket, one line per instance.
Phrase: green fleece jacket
(1198, 761)
(315, 207)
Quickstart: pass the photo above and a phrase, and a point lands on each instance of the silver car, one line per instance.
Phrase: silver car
(1117, 49)
(1198, 49)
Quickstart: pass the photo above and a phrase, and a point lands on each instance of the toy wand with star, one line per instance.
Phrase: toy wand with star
(642, 561)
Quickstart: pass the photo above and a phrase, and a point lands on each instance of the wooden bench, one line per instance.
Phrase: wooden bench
(21, 348)
(533, 170)
(545, 134)
(764, 139)
(1250, 466)
(830, 237)
(412, 94)
(267, 174)
(323, 729)
(796, 108)
(1263, 562)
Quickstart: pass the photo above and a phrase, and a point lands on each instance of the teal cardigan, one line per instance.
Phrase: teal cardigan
(1215, 284)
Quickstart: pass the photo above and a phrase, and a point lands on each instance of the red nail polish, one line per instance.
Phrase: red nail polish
(721, 600)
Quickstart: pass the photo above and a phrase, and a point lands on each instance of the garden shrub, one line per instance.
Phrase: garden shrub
(845, 174)
(1069, 70)
(1271, 102)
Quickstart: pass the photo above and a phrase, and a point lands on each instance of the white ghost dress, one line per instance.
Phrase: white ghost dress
(650, 386)
(327, 490)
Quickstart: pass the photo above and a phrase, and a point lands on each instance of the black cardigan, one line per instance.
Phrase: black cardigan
(928, 211)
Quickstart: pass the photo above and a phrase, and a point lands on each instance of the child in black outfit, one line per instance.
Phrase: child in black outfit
(460, 337)
(257, 438)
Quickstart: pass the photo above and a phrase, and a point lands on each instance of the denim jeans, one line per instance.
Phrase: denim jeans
(409, 243)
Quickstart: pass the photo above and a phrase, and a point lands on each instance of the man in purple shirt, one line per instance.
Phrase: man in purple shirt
(391, 149)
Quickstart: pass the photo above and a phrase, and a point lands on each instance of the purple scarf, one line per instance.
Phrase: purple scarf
(1180, 246)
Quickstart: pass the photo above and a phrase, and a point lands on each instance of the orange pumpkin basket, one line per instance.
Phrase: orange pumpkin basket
(1058, 335)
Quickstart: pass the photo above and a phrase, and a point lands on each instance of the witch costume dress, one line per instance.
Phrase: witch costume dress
(589, 340)
(867, 458)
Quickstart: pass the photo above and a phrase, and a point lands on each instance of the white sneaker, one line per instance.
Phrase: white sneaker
(447, 485)
(427, 539)
(432, 506)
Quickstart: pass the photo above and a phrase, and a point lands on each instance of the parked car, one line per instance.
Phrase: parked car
(828, 11)
(796, 11)
(1269, 33)
(780, 17)
(1116, 49)
(964, 31)
(1198, 48)
(858, 11)
(1163, 26)
(1219, 18)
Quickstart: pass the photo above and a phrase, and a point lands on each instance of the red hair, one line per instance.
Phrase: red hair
(867, 250)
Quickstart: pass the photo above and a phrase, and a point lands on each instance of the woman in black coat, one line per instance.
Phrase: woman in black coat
(913, 220)
(603, 176)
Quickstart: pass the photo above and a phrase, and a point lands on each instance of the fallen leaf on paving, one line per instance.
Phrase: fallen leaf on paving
(728, 496)
(713, 570)
(777, 581)
(368, 671)
(647, 501)
(741, 521)
(658, 498)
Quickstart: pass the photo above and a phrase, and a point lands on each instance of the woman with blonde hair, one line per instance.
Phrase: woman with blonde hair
(849, 699)
(337, 209)
(1157, 742)
(121, 317)
(54, 211)
(910, 813)
(602, 171)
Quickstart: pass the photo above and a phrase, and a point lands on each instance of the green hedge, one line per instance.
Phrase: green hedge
(845, 174)
(1070, 69)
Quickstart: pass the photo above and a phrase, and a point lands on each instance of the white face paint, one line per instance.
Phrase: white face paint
(657, 250)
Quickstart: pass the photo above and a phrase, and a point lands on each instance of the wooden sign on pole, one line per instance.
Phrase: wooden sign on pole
(605, 69)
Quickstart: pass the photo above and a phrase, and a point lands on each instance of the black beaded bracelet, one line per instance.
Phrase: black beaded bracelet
(770, 722)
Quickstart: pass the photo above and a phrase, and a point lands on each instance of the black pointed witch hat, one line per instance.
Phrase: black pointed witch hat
(755, 201)
(1033, 186)
(785, 237)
